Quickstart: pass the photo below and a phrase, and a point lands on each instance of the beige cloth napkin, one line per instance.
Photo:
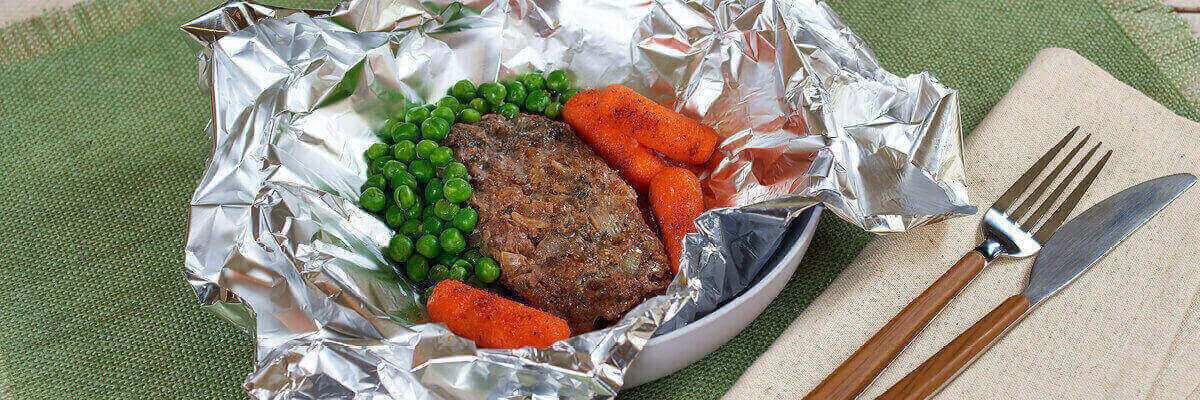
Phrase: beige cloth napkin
(1129, 328)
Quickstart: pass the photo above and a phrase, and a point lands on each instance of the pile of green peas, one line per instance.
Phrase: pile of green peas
(418, 189)
(531, 93)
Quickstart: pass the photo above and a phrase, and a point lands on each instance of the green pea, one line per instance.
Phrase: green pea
(428, 214)
(469, 115)
(457, 190)
(553, 110)
(376, 166)
(417, 267)
(435, 128)
(496, 108)
(487, 270)
(393, 216)
(454, 170)
(392, 169)
(509, 110)
(465, 219)
(425, 148)
(414, 212)
(376, 150)
(516, 92)
(472, 256)
(534, 81)
(465, 268)
(445, 209)
(375, 180)
(567, 95)
(385, 133)
(415, 115)
(558, 81)
(493, 92)
(446, 258)
(537, 101)
(464, 263)
(403, 179)
(422, 170)
(399, 248)
(457, 273)
(433, 191)
(438, 273)
(441, 156)
(448, 114)
(372, 199)
(404, 151)
(452, 241)
(405, 196)
(406, 131)
(479, 105)
(428, 246)
(449, 102)
(411, 228)
(432, 226)
(463, 90)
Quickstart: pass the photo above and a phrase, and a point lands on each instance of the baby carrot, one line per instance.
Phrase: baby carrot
(675, 136)
(636, 163)
(492, 321)
(676, 200)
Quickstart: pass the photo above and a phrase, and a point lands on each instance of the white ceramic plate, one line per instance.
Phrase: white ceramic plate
(668, 353)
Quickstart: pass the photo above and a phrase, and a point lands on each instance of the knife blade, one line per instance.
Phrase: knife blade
(1070, 251)
(1085, 239)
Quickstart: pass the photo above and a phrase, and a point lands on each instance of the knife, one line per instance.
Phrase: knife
(1077, 245)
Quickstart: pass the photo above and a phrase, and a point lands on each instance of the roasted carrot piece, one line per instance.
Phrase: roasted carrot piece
(635, 162)
(492, 321)
(675, 136)
(676, 200)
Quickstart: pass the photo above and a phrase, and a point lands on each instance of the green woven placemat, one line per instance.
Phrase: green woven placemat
(100, 116)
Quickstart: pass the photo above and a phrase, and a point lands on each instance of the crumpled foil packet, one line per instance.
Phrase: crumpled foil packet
(278, 246)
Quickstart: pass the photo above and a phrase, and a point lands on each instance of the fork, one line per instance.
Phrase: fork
(1006, 232)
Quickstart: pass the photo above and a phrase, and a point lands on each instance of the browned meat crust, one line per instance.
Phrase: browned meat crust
(565, 229)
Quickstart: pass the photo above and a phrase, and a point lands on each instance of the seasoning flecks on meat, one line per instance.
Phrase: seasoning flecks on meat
(564, 227)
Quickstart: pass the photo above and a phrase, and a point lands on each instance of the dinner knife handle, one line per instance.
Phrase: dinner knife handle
(937, 371)
(855, 374)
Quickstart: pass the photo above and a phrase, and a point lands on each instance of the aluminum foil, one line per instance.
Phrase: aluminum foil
(277, 245)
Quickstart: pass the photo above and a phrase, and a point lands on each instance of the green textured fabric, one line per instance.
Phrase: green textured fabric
(100, 116)
(102, 147)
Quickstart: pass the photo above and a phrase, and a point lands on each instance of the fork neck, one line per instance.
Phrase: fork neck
(990, 249)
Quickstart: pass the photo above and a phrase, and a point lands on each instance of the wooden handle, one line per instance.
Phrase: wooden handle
(857, 372)
(937, 371)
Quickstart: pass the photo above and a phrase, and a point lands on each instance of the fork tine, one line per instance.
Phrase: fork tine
(1026, 179)
(1069, 204)
(1049, 202)
(1049, 179)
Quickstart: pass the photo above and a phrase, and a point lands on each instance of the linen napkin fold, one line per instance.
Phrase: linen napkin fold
(1129, 328)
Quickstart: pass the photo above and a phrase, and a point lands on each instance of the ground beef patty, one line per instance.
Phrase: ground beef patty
(565, 229)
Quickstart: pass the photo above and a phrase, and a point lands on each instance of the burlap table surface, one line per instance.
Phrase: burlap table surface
(1129, 328)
